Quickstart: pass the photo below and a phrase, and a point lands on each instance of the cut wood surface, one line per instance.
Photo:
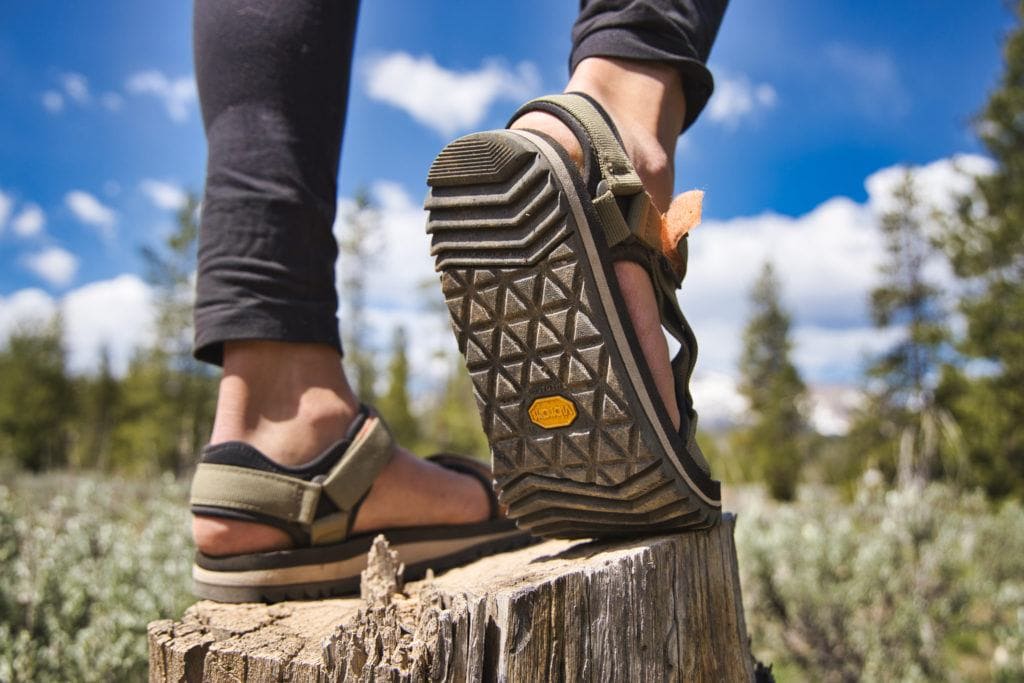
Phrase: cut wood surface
(665, 608)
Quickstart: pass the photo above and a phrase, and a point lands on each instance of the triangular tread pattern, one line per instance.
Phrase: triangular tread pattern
(524, 318)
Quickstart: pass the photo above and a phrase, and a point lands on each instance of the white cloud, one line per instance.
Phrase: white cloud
(53, 101)
(163, 194)
(718, 401)
(877, 90)
(938, 187)
(938, 184)
(111, 101)
(827, 261)
(447, 101)
(832, 408)
(177, 94)
(401, 285)
(25, 307)
(402, 262)
(825, 353)
(29, 222)
(827, 407)
(76, 87)
(91, 211)
(6, 205)
(736, 98)
(115, 314)
(54, 265)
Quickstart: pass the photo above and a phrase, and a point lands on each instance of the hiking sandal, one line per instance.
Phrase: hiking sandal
(581, 444)
(316, 504)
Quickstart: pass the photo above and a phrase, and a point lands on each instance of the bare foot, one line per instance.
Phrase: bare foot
(298, 405)
(648, 112)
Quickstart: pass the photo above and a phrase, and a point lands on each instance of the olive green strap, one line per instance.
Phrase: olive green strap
(350, 479)
(616, 168)
(275, 495)
(294, 500)
(619, 179)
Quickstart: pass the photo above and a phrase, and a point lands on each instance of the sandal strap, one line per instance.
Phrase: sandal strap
(292, 500)
(616, 168)
(620, 184)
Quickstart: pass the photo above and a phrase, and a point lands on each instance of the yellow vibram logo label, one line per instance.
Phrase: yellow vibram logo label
(551, 412)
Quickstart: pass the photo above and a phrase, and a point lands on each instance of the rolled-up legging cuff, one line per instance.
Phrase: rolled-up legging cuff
(263, 274)
(263, 322)
(698, 84)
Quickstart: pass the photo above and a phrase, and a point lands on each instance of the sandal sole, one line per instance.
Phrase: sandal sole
(332, 571)
(579, 448)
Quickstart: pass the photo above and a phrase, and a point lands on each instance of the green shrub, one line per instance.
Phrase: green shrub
(898, 585)
(85, 564)
(911, 585)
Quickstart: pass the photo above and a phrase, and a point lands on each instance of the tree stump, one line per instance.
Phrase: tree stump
(665, 608)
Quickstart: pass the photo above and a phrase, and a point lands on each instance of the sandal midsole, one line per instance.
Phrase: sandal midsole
(412, 552)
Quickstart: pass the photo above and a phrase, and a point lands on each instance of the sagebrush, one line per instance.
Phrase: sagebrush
(919, 584)
(85, 564)
(912, 585)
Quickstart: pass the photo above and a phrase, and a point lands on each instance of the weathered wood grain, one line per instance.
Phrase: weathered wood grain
(666, 608)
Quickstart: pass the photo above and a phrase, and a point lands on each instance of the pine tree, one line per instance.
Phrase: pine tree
(97, 397)
(773, 438)
(394, 405)
(903, 426)
(359, 248)
(166, 410)
(986, 248)
(35, 397)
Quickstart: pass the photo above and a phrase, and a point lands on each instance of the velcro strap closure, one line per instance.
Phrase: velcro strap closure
(350, 479)
(645, 221)
(616, 230)
(294, 500)
(616, 168)
(366, 456)
(266, 493)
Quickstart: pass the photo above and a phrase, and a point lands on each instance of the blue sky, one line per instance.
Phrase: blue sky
(100, 132)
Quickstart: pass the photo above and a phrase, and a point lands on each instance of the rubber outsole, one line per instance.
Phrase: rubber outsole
(579, 448)
(232, 584)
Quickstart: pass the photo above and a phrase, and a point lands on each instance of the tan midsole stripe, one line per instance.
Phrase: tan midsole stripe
(409, 553)
(616, 324)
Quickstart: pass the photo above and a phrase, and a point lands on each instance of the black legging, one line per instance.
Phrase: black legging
(273, 82)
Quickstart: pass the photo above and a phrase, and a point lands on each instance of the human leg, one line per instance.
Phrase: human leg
(272, 80)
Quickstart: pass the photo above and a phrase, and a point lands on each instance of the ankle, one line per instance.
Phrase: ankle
(645, 101)
(642, 97)
(290, 401)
